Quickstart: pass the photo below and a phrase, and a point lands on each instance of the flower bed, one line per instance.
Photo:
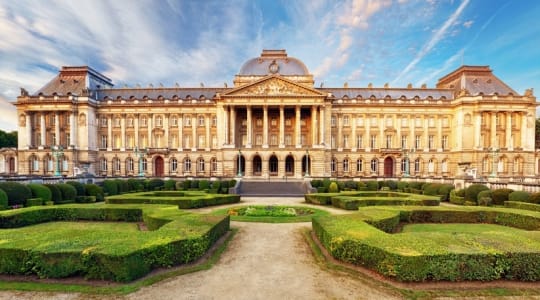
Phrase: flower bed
(174, 237)
(271, 213)
(366, 239)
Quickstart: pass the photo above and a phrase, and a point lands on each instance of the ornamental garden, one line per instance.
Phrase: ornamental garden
(122, 230)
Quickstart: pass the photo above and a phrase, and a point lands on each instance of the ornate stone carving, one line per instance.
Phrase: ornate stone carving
(275, 87)
(22, 120)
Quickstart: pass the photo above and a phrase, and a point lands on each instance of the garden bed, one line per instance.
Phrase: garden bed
(117, 252)
(354, 200)
(365, 239)
(184, 199)
(271, 213)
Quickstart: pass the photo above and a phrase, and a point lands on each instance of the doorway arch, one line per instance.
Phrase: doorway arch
(257, 165)
(11, 165)
(306, 165)
(289, 165)
(388, 167)
(240, 169)
(158, 167)
(273, 165)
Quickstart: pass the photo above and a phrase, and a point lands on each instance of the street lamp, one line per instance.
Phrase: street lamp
(140, 153)
(57, 152)
(307, 163)
(239, 163)
(494, 154)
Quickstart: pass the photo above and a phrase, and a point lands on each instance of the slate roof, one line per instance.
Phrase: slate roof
(394, 93)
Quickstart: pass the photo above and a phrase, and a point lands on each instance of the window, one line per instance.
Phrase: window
(214, 121)
(68, 139)
(116, 139)
(200, 165)
(174, 141)
(53, 139)
(374, 121)
(144, 121)
(302, 139)
(373, 141)
(143, 141)
(288, 122)
(103, 165)
(431, 166)
(333, 167)
(187, 165)
(431, 122)
(445, 122)
(345, 120)
(201, 121)
(244, 139)
(273, 122)
(144, 164)
(187, 120)
(103, 122)
(444, 166)
(404, 122)
(418, 122)
(333, 121)
(346, 165)
(174, 165)
(389, 121)
(273, 140)
(174, 121)
(50, 164)
(129, 165)
(431, 143)
(359, 166)
(417, 141)
(201, 141)
(417, 165)
(360, 121)
(187, 141)
(213, 164)
(116, 165)
(388, 141)
(214, 141)
(130, 141)
(359, 141)
(288, 139)
(116, 122)
(333, 141)
(374, 164)
(404, 163)
(159, 121)
(130, 122)
(103, 141)
(404, 143)
(345, 141)
(444, 142)
(34, 164)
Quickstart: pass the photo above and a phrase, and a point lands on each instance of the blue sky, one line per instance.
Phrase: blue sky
(356, 41)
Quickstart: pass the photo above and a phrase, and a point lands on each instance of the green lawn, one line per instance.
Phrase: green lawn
(270, 213)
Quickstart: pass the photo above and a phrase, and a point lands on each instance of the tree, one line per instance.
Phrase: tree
(8, 139)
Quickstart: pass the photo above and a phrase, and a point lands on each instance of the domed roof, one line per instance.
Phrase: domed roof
(273, 62)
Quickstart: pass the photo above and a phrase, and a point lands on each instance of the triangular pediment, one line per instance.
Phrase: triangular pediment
(274, 86)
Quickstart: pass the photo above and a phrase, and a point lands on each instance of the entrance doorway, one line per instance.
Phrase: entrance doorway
(273, 165)
(158, 167)
(257, 166)
(388, 167)
(240, 165)
(11, 165)
(306, 165)
(289, 165)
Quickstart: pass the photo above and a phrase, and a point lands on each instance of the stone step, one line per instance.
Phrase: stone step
(272, 189)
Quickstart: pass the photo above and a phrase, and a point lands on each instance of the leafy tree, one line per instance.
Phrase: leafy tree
(8, 139)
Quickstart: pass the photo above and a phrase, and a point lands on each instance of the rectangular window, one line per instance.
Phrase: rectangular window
(345, 120)
(388, 141)
(288, 140)
(159, 122)
(404, 144)
(103, 141)
(431, 144)
(273, 140)
(404, 122)
(259, 122)
(144, 121)
(214, 142)
(214, 121)
(258, 139)
(445, 122)
(187, 141)
(360, 121)
(418, 122)
(444, 142)
(359, 141)
(187, 121)
(303, 139)
(244, 139)
(333, 121)
(174, 121)
(130, 122)
(68, 139)
(389, 121)
(431, 122)
(345, 141)
(103, 122)
(418, 142)
(273, 122)
(373, 142)
(288, 122)
(333, 141)
(373, 121)
(201, 142)
(201, 121)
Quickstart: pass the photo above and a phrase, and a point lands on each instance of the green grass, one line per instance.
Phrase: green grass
(273, 216)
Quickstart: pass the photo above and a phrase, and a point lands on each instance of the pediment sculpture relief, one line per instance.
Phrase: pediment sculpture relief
(275, 87)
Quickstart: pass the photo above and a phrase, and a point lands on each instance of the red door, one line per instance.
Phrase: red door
(388, 167)
(158, 167)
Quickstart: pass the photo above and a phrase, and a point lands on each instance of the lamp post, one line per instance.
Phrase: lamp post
(57, 152)
(140, 153)
(239, 163)
(494, 154)
(307, 163)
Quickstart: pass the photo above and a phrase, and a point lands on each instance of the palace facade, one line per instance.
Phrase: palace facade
(274, 123)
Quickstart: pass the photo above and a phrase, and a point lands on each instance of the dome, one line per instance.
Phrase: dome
(273, 62)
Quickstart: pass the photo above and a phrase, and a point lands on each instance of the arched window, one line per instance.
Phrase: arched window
(129, 165)
(346, 165)
(187, 165)
(359, 166)
(34, 164)
(444, 166)
(200, 165)
(174, 164)
(103, 164)
(116, 165)
(333, 167)
(213, 164)
(417, 165)
(65, 164)
(374, 164)
(431, 166)
(404, 163)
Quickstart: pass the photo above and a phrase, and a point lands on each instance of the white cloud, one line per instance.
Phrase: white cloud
(468, 24)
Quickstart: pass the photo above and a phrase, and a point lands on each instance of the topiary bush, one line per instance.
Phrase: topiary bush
(350, 185)
(232, 183)
(69, 193)
(534, 198)
(154, 184)
(17, 193)
(484, 198)
(135, 185)
(402, 185)
(40, 191)
(372, 185)
(122, 185)
(444, 191)
(520, 196)
(340, 185)
(78, 186)
(392, 184)
(169, 185)
(3, 200)
(316, 183)
(431, 189)
(471, 193)
(194, 184)
(333, 188)
(499, 196)
(55, 192)
(326, 183)
(110, 187)
(216, 185)
(94, 190)
(361, 186)
(204, 184)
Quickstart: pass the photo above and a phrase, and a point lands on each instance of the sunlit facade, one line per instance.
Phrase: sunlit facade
(274, 123)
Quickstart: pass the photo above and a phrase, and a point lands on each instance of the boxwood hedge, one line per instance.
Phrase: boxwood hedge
(364, 239)
(354, 200)
(175, 237)
(40, 191)
(3, 200)
(184, 199)
(17, 193)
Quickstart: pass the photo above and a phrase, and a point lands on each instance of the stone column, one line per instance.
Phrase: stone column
(42, 129)
(340, 131)
(382, 139)
(297, 127)
(249, 127)
(232, 121)
(493, 137)
(72, 129)
(29, 136)
(477, 127)
(194, 141)
(180, 134)
(509, 131)
(207, 118)
(220, 130)
(524, 136)
(426, 132)
(136, 120)
(281, 127)
(313, 125)
(397, 121)
(265, 127)
(149, 127)
(109, 133)
(367, 138)
(438, 140)
(123, 132)
(166, 137)
(321, 126)
(412, 124)
(353, 133)
(57, 127)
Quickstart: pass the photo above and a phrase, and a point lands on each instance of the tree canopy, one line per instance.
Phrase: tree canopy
(8, 139)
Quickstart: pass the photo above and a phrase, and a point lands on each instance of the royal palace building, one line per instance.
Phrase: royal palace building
(275, 123)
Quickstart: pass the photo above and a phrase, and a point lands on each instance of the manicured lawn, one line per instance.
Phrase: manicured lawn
(271, 213)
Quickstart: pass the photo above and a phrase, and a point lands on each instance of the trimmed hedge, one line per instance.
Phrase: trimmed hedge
(484, 198)
(184, 200)
(499, 196)
(110, 187)
(78, 186)
(520, 196)
(85, 199)
(34, 202)
(169, 185)
(522, 205)
(17, 193)
(353, 200)
(175, 237)
(471, 193)
(69, 193)
(3, 200)
(363, 239)
(94, 190)
(55, 192)
(40, 191)
(154, 184)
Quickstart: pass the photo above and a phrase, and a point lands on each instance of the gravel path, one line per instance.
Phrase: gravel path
(263, 261)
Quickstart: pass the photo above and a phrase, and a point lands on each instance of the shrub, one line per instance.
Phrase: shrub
(110, 187)
(360, 186)
(471, 193)
(3, 200)
(381, 184)
(78, 186)
(69, 193)
(340, 185)
(154, 184)
(55, 192)
(135, 184)
(321, 189)
(350, 185)
(392, 184)
(232, 182)
(484, 198)
(204, 184)
(216, 185)
(326, 183)
(95, 190)
(122, 185)
(316, 183)
(34, 202)
(85, 199)
(40, 191)
(431, 189)
(169, 185)
(520, 196)
(17, 193)
(194, 184)
(460, 193)
(444, 191)
(333, 188)
(402, 185)
(187, 184)
(534, 198)
(455, 199)
(372, 185)
(499, 196)
(417, 185)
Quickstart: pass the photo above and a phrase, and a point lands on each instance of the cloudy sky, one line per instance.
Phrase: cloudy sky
(355, 41)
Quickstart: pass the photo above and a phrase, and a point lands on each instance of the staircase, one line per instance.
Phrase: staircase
(272, 189)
